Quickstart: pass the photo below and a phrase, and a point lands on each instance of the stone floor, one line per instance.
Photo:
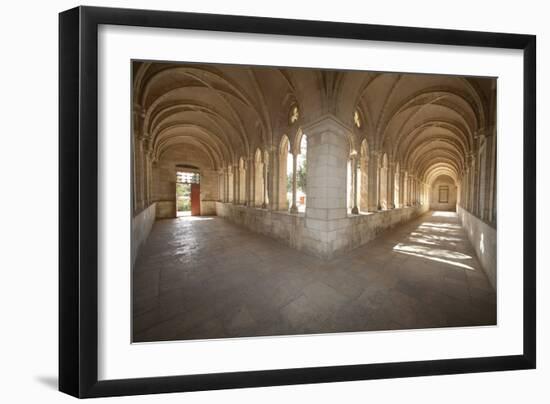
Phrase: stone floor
(203, 277)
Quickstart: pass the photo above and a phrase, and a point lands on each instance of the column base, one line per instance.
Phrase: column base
(355, 210)
(293, 209)
(264, 205)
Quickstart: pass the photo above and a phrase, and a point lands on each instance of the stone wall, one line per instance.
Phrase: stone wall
(166, 209)
(209, 192)
(343, 235)
(366, 227)
(484, 240)
(282, 226)
(443, 180)
(142, 224)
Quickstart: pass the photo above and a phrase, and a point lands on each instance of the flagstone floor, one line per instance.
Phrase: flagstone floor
(201, 277)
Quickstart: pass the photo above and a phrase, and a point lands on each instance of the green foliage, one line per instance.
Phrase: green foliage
(301, 177)
(183, 197)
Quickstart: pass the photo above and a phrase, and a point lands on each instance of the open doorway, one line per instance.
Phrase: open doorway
(187, 193)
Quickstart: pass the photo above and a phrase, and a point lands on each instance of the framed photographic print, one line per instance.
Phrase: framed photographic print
(251, 201)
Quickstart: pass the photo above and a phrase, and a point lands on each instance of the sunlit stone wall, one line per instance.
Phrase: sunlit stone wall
(484, 240)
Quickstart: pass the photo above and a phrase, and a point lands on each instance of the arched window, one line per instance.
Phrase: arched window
(301, 175)
(384, 182)
(285, 164)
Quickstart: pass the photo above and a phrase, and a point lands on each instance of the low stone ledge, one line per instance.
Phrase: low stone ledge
(323, 238)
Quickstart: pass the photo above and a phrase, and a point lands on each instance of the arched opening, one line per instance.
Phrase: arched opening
(285, 163)
(384, 183)
(258, 179)
(443, 193)
(301, 175)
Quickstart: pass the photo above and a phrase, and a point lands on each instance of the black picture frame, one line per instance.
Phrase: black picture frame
(78, 193)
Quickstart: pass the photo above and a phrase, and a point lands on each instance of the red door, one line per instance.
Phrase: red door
(195, 199)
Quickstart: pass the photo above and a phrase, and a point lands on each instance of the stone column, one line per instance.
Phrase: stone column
(466, 199)
(227, 185)
(402, 189)
(354, 179)
(326, 214)
(364, 181)
(293, 207)
(379, 182)
(414, 200)
(236, 175)
(472, 184)
(264, 167)
(249, 180)
(373, 173)
(224, 185)
(391, 185)
(272, 182)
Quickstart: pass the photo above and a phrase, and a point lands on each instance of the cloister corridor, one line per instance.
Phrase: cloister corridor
(201, 277)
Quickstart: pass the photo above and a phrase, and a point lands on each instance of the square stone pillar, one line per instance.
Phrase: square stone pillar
(328, 153)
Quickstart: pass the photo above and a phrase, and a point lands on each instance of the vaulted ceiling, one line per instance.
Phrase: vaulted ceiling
(427, 123)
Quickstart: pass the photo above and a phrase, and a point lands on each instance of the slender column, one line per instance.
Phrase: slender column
(293, 207)
(264, 203)
(224, 185)
(272, 179)
(364, 181)
(373, 182)
(412, 191)
(379, 182)
(415, 199)
(236, 175)
(404, 188)
(355, 166)
(391, 185)
(466, 201)
(227, 193)
(148, 177)
(400, 199)
(249, 197)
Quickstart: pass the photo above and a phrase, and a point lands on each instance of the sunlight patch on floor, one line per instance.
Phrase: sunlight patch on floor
(435, 254)
(195, 218)
(444, 214)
